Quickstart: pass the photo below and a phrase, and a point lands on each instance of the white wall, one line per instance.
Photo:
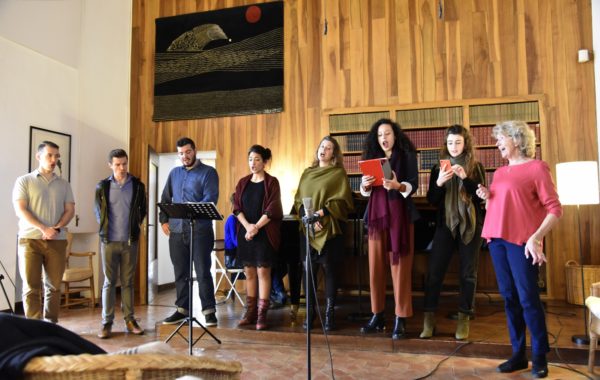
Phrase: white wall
(71, 82)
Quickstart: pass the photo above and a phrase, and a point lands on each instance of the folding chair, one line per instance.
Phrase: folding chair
(221, 272)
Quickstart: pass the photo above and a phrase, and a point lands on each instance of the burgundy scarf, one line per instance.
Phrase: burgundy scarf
(387, 211)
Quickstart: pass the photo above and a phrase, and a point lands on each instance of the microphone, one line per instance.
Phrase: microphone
(59, 164)
(307, 203)
(310, 217)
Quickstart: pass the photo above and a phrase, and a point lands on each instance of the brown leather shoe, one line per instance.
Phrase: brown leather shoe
(133, 327)
(105, 331)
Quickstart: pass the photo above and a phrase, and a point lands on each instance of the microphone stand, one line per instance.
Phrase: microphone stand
(309, 227)
(4, 289)
(6, 295)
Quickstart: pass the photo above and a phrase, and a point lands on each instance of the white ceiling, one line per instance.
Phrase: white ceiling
(49, 27)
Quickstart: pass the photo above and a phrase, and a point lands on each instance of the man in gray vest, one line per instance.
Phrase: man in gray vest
(44, 204)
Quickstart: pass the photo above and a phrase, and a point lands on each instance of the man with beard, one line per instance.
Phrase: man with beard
(192, 182)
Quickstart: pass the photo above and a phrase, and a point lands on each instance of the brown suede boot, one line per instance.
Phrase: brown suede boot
(249, 317)
(261, 321)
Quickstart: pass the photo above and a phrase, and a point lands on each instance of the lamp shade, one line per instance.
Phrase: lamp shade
(577, 183)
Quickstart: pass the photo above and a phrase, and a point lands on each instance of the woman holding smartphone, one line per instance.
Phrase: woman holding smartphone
(459, 219)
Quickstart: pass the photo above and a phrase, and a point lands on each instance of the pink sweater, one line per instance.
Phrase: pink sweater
(520, 198)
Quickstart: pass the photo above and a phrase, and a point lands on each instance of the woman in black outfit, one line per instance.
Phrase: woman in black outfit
(459, 222)
(257, 206)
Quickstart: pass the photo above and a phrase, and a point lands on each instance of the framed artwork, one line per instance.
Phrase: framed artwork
(219, 63)
(63, 140)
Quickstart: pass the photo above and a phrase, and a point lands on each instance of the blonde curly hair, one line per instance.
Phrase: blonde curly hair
(521, 134)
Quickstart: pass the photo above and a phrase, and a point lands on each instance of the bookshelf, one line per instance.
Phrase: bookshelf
(425, 124)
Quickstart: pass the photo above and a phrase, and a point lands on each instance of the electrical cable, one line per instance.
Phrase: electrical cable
(553, 344)
(318, 311)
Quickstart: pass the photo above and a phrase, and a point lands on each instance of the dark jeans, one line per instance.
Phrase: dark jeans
(179, 245)
(517, 282)
(439, 259)
(329, 257)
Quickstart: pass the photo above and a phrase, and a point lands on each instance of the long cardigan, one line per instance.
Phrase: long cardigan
(271, 206)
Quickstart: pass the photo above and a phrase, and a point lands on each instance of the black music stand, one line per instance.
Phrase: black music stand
(191, 211)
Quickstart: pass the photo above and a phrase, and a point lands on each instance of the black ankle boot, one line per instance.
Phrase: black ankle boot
(539, 367)
(330, 314)
(516, 362)
(399, 328)
(377, 323)
(311, 318)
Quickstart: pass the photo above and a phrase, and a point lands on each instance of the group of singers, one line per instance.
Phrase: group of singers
(513, 216)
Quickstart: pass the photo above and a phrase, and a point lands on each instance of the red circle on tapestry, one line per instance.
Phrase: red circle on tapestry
(253, 14)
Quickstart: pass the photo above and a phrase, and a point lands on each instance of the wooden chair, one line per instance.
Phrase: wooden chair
(593, 304)
(77, 275)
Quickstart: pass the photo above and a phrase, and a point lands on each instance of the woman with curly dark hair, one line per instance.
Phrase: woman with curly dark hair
(390, 213)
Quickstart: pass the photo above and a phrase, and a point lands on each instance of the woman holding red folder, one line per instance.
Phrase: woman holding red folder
(389, 218)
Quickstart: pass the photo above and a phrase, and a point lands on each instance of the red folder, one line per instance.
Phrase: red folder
(378, 168)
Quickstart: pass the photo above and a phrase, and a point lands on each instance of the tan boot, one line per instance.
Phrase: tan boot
(293, 314)
(428, 325)
(462, 329)
(250, 315)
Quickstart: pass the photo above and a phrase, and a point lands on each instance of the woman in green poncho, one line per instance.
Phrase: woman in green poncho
(326, 182)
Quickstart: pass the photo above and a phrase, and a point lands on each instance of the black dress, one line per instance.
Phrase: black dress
(257, 252)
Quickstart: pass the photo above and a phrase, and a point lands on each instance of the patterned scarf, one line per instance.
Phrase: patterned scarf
(460, 211)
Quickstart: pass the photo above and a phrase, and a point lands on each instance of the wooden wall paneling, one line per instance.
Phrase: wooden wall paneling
(404, 47)
(394, 52)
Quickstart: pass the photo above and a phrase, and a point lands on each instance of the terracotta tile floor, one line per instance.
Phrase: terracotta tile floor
(274, 358)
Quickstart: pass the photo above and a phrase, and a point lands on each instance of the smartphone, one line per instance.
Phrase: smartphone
(445, 165)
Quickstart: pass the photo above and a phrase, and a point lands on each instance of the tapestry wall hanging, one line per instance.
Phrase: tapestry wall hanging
(219, 63)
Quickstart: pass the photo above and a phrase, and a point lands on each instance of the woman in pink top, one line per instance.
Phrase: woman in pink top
(522, 207)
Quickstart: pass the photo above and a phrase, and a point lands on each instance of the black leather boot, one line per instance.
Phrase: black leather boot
(310, 313)
(539, 367)
(376, 323)
(399, 328)
(517, 361)
(330, 314)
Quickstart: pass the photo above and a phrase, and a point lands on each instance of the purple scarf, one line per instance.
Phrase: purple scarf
(387, 211)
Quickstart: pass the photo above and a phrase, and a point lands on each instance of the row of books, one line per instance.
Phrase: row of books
(483, 135)
(352, 143)
(351, 164)
(426, 159)
(355, 122)
(491, 157)
(423, 185)
(493, 113)
(355, 183)
(430, 117)
(427, 138)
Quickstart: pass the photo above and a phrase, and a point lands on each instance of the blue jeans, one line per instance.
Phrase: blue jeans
(118, 257)
(517, 282)
(179, 245)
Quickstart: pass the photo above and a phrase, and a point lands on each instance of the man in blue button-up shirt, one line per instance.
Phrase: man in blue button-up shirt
(192, 182)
